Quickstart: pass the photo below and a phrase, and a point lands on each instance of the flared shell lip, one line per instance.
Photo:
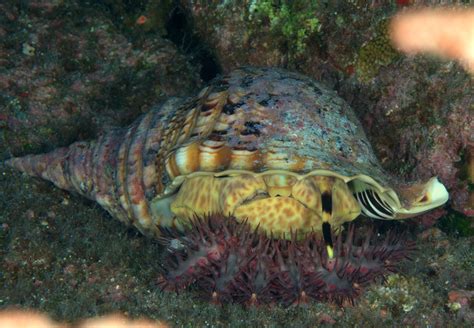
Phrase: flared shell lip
(389, 192)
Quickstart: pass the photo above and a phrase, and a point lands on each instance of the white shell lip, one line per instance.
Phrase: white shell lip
(436, 192)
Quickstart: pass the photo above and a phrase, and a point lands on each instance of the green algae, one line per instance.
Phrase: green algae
(282, 30)
(375, 53)
(457, 224)
(293, 21)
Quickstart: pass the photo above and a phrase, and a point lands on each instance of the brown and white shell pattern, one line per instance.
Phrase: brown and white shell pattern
(264, 119)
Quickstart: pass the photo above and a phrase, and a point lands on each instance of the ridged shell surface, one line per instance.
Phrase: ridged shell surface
(262, 119)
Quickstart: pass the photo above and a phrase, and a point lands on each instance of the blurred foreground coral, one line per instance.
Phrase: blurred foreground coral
(448, 32)
(14, 318)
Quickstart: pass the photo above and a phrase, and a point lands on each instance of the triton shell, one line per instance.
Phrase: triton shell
(265, 145)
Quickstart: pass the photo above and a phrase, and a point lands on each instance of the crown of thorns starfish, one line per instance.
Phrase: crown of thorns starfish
(230, 262)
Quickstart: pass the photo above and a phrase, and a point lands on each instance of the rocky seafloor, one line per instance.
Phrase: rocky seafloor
(66, 257)
(71, 70)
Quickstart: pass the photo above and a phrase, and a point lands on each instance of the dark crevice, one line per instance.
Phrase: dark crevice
(180, 30)
(326, 199)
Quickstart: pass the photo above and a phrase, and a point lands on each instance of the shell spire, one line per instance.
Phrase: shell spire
(88, 168)
(48, 166)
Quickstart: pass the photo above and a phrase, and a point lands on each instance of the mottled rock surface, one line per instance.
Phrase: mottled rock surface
(69, 73)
